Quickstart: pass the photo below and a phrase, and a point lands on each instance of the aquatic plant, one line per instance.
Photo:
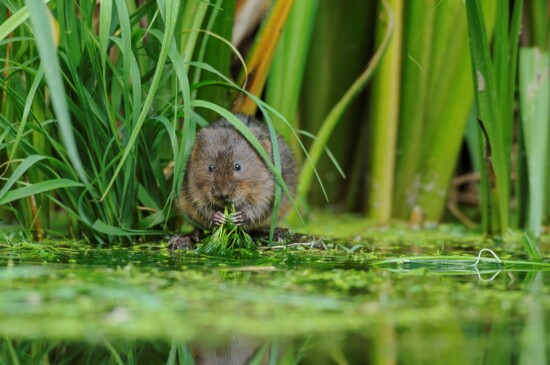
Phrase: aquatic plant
(494, 79)
(66, 302)
(228, 240)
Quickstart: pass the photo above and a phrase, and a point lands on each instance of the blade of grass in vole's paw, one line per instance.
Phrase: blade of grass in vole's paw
(229, 240)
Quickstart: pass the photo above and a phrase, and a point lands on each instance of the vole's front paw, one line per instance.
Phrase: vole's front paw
(218, 218)
(238, 218)
(183, 241)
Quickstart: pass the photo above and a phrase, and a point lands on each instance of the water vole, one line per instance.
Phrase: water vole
(224, 170)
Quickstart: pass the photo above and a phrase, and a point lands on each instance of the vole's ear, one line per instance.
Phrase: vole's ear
(202, 136)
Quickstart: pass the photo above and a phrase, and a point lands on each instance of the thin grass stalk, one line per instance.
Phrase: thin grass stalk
(40, 204)
(16, 18)
(105, 19)
(521, 193)
(417, 43)
(217, 54)
(505, 58)
(4, 15)
(546, 219)
(473, 139)
(193, 18)
(385, 117)
(171, 9)
(181, 153)
(34, 210)
(113, 352)
(531, 246)
(5, 51)
(212, 17)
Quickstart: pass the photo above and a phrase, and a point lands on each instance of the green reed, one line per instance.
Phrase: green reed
(494, 81)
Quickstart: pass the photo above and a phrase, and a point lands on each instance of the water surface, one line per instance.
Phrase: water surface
(349, 304)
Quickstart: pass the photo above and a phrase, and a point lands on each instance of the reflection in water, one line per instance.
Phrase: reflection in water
(329, 312)
(239, 350)
(534, 334)
(493, 342)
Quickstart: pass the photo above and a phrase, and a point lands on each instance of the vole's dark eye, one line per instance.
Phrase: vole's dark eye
(237, 167)
(211, 168)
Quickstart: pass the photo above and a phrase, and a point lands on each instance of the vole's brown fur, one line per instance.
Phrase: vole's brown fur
(224, 169)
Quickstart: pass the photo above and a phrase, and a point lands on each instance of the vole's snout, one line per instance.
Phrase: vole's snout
(222, 195)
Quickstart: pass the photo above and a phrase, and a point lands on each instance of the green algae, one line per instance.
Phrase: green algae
(312, 300)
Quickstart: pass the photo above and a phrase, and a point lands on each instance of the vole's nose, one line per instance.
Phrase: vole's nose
(222, 197)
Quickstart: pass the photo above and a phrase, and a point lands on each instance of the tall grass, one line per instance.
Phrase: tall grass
(446, 108)
(101, 103)
(118, 76)
(117, 122)
(415, 141)
(494, 79)
(98, 99)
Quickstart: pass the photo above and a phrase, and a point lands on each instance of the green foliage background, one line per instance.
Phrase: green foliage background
(100, 104)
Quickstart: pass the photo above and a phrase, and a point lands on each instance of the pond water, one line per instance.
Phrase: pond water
(357, 302)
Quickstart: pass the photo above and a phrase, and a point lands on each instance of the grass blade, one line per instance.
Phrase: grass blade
(171, 8)
(111, 230)
(47, 50)
(531, 247)
(494, 101)
(19, 171)
(14, 21)
(38, 188)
